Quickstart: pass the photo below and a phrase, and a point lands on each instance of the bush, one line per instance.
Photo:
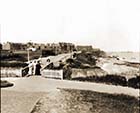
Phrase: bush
(12, 64)
(10, 57)
(109, 79)
(134, 82)
(67, 71)
(5, 83)
(115, 79)
(86, 58)
(70, 61)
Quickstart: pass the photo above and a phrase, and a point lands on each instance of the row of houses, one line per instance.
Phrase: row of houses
(61, 47)
(57, 47)
(43, 49)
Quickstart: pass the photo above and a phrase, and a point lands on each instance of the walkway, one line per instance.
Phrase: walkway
(22, 97)
(40, 84)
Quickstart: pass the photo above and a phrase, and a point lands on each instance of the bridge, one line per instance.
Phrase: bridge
(45, 61)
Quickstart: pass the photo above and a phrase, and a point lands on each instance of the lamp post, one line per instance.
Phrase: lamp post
(28, 52)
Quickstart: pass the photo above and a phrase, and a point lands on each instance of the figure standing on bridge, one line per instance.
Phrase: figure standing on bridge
(34, 67)
(30, 66)
(37, 69)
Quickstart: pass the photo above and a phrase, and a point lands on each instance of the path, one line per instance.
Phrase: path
(40, 84)
(22, 97)
(55, 59)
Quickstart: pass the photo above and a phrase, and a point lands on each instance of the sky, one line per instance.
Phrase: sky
(112, 25)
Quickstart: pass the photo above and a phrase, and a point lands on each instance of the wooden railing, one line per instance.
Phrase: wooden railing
(24, 71)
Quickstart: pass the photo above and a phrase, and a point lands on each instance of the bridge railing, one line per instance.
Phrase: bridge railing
(24, 71)
(46, 72)
(52, 73)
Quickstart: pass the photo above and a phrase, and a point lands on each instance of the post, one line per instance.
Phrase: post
(28, 55)
(28, 52)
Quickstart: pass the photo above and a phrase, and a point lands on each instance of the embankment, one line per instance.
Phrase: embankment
(99, 75)
(80, 101)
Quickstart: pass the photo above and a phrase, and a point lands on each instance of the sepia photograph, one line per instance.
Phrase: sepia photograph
(70, 56)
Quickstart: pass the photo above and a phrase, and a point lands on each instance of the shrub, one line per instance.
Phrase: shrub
(109, 79)
(134, 82)
(12, 64)
(5, 83)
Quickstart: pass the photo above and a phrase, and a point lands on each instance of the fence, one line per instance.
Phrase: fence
(52, 73)
(10, 72)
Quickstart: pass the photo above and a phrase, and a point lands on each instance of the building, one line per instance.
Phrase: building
(51, 49)
(66, 47)
(84, 48)
(38, 46)
(14, 46)
(56, 48)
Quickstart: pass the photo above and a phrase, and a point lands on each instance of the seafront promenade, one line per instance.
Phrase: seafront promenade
(30, 94)
(26, 91)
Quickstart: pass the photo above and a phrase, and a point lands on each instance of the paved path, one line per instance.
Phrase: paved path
(40, 84)
(22, 97)
(55, 59)
(18, 102)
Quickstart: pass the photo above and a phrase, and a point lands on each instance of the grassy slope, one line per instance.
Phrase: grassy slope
(78, 101)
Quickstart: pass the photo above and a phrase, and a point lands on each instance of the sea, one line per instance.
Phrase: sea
(127, 56)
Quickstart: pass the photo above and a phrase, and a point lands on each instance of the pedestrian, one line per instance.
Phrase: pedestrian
(30, 66)
(34, 67)
(38, 67)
